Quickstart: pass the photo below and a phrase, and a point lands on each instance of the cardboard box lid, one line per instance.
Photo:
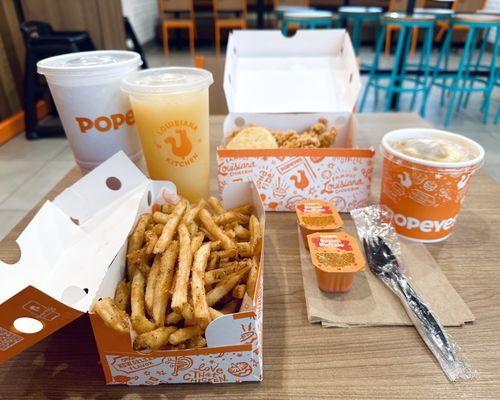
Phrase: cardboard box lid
(312, 71)
(70, 242)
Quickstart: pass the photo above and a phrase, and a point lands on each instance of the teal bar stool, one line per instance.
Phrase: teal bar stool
(307, 19)
(398, 79)
(464, 81)
(280, 11)
(358, 15)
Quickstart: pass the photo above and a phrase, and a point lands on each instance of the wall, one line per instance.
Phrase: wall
(11, 60)
(103, 19)
(143, 15)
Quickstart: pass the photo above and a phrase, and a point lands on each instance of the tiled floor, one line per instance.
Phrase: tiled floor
(28, 170)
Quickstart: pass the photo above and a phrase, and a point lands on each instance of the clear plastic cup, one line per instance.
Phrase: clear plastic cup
(96, 115)
(425, 195)
(171, 109)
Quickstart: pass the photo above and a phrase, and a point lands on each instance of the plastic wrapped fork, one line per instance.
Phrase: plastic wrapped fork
(382, 250)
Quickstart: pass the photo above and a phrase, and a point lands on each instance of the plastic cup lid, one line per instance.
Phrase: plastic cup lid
(89, 63)
(167, 80)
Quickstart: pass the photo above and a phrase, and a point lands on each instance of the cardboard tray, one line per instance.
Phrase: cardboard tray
(289, 83)
(73, 253)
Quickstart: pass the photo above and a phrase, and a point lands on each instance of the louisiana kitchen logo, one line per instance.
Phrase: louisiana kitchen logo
(178, 137)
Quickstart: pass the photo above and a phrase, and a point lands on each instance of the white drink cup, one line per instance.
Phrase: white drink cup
(96, 115)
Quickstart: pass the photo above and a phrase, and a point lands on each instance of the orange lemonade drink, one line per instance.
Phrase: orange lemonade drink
(170, 106)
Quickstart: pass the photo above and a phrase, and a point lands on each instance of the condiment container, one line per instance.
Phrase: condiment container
(317, 216)
(336, 257)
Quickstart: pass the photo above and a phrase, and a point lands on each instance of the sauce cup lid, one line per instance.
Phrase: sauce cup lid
(335, 252)
(318, 215)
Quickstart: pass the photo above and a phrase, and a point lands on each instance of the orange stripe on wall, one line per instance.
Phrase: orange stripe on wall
(14, 125)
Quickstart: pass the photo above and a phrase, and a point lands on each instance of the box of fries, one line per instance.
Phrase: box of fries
(173, 290)
(291, 126)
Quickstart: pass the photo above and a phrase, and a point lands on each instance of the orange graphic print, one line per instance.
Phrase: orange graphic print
(184, 147)
(300, 181)
(181, 363)
(240, 369)
(424, 201)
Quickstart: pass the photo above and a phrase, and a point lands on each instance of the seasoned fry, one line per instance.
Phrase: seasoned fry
(212, 262)
(170, 228)
(230, 307)
(255, 235)
(154, 340)
(231, 253)
(196, 343)
(167, 208)
(164, 283)
(239, 291)
(225, 286)
(139, 261)
(151, 284)
(252, 277)
(139, 321)
(229, 217)
(179, 296)
(158, 229)
(244, 249)
(198, 296)
(181, 335)
(160, 218)
(241, 233)
(219, 274)
(136, 240)
(188, 314)
(214, 314)
(216, 231)
(196, 241)
(230, 234)
(215, 205)
(111, 315)
(173, 318)
(122, 295)
(246, 209)
(151, 239)
(215, 245)
(192, 214)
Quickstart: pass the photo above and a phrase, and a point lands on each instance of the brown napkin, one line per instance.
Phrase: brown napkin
(370, 302)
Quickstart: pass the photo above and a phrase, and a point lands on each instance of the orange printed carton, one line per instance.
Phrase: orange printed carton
(73, 253)
(290, 83)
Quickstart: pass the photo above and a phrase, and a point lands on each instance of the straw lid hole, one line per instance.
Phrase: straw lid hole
(14, 254)
(113, 183)
(73, 294)
(76, 221)
(150, 197)
(350, 77)
(239, 122)
(27, 325)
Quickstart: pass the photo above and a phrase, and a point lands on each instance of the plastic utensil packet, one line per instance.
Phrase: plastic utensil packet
(383, 253)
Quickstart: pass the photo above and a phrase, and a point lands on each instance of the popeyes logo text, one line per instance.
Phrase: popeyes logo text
(176, 136)
(105, 123)
(425, 226)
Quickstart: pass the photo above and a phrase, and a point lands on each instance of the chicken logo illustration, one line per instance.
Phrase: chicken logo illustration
(462, 182)
(184, 146)
(300, 181)
(179, 140)
(404, 179)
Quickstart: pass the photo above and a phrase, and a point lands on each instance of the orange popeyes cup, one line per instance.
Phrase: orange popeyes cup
(424, 195)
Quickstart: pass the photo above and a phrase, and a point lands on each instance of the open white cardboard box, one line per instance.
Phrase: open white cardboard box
(286, 83)
(73, 253)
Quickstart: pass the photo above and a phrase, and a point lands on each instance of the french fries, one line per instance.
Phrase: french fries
(200, 305)
(186, 266)
(112, 315)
